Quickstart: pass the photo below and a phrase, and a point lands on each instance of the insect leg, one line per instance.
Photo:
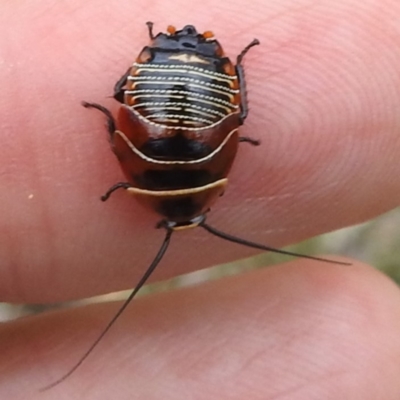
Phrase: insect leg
(110, 119)
(244, 106)
(150, 26)
(245, 139)
(113, 188)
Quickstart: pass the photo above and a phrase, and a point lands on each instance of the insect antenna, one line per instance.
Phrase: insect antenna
(139, 285)
(247, 243)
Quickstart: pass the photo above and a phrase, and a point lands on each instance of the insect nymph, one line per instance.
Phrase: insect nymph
(176, 134)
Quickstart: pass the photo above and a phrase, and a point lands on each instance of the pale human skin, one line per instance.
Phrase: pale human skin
(324, 100)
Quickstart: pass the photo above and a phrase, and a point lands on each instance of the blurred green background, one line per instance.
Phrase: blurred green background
(376, 242)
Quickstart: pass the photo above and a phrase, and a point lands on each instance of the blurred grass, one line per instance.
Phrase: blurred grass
(376, 242)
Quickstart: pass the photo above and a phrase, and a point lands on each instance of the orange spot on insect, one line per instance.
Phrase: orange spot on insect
(208, 35)
(171, 29)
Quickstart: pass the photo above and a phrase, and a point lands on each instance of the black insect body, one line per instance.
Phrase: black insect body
(176, 134)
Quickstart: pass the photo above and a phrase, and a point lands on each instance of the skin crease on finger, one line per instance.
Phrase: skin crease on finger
(323, 99)
(301, 333)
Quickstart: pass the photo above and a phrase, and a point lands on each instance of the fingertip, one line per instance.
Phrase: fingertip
(291, 325)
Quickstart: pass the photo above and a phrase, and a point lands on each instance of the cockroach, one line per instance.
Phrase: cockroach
(176, 135)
